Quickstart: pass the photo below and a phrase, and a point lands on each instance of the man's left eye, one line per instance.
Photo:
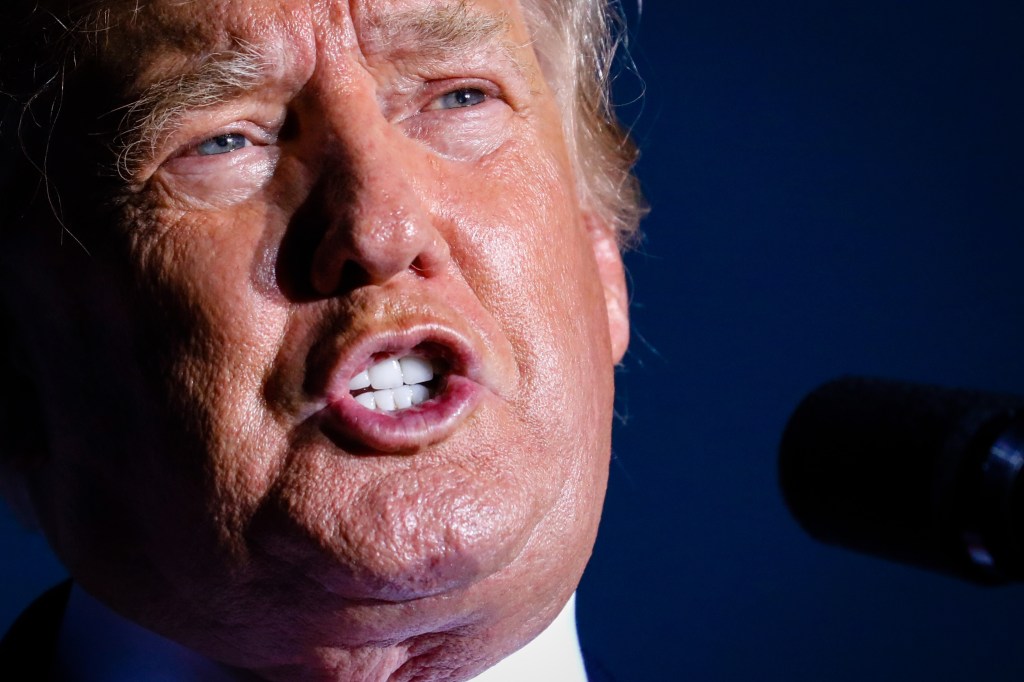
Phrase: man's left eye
(457, 99)
(222, 144)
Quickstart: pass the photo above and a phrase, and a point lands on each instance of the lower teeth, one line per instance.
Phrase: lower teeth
(392, 399)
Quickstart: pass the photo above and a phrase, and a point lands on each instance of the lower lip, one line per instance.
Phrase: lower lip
(404, 430)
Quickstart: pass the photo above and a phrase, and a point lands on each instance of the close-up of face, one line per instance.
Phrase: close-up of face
(326, 385)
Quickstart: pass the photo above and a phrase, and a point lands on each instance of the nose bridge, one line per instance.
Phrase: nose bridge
(378, 214)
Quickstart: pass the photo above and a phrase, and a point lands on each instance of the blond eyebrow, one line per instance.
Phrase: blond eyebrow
(437, 32)
(149, 119)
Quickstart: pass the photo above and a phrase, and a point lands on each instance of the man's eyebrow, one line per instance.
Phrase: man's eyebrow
(147, 120)
(437, 31)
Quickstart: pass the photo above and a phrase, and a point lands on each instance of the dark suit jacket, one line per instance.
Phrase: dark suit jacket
(28, 651)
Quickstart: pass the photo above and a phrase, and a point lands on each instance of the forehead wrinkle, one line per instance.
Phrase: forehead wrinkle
(438, 31)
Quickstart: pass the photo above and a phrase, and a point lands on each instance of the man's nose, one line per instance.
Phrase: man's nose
(380, 225)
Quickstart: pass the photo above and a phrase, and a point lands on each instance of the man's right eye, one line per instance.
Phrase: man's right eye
(222, 144)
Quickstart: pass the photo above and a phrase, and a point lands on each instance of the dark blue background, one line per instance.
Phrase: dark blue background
(836, 187)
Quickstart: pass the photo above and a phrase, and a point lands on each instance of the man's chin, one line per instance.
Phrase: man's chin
(401, 564)
(306, 631)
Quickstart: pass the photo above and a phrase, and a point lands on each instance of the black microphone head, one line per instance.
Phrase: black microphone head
(908, 472)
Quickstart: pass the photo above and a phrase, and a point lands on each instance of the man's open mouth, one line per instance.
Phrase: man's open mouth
(393, 383)
(400, 390)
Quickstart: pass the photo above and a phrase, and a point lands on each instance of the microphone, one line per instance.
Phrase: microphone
(913, 473)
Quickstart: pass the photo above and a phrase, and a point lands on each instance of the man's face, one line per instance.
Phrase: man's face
(339, 186)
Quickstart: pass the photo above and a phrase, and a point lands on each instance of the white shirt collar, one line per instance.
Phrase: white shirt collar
(97, 645)
(552, 655)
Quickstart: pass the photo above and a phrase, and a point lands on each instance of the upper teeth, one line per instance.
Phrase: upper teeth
(397, 383)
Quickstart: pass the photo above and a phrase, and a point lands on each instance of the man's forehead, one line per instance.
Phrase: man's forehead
(157, 34)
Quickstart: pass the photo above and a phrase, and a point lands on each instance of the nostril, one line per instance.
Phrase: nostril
(352, 276)
(418, 267)
(433, 257)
